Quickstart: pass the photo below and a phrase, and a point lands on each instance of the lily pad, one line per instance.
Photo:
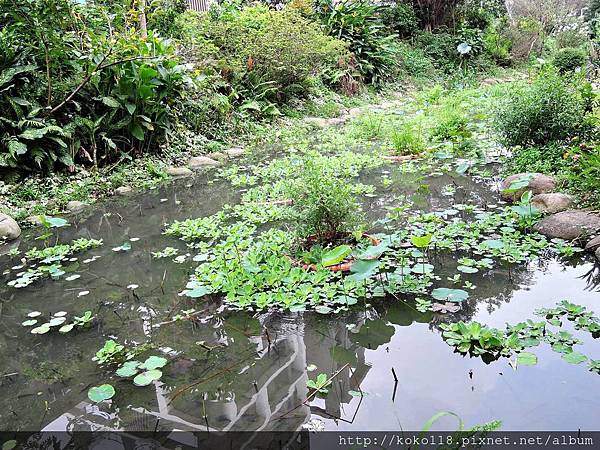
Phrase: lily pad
(56, 321)
(493, 243)
(363, 269)
(323, 309)
(527, 359)
(66, 328)
(29, 323)
(53, 222)
(128, 369)
(467, 269)
(98, 394)
(450, 295)
(574, 358)
(34, 314)
(154, 362)
(42, 329)
(145, 378)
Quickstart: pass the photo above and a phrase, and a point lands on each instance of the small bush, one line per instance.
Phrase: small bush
(325, 207)
(548, 159)
(549, 109)
(413, 61)
(452, 126)
(569, 59)
(438, 46)
(407, 141)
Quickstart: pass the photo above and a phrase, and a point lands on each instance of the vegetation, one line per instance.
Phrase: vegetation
(373, 133)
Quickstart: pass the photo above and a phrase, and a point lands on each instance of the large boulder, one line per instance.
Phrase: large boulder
(552, 202)
(199, 162)
(9, 229)
(178, 171)
(593, 245)
(538, 184)
(569, 225)
(75, 206)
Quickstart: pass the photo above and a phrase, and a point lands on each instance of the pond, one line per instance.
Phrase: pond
(234, 370)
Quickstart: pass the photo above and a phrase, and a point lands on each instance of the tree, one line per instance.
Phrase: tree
(434, 13)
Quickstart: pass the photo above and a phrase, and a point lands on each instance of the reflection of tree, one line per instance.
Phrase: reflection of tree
(592, 278)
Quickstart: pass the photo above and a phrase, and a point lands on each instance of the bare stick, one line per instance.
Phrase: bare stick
(315, 392)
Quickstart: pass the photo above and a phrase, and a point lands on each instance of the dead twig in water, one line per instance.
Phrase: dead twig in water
(215, 375)
(315, 392)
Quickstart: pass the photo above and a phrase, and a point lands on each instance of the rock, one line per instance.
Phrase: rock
(335, 121)
(234, 152)
(9, 229)
(552, 202)
(538, 184)
(75, 206)
(218, 156)
(178, 171)
(198, 162)
(123, 190)
(593, 245)
(569, 225)
(353, 112)
(318, 122)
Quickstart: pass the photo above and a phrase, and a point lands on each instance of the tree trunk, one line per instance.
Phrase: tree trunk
(143, 23)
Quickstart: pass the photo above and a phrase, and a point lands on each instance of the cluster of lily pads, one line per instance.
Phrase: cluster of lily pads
(142, 373)
(49, 261)
(58, 319)
(491, 343)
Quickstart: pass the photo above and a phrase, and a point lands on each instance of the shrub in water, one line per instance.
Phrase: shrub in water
(407, 141)
(549, 109)
(325, 207)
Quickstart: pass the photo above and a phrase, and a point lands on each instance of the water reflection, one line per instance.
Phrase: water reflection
(232, 371)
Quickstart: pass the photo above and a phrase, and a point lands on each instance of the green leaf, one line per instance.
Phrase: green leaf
(53, 222)
(467, 269)
(421, 241)
(336, 255)
(145, 378)
(130, 108)
(154, 362)
(128, 369)
(137, 132)
(42, 329)
(9, 445)
(451, 295)
(323, 309)
(110, 101)
(98, 394)
(363, 269)
(574, 358)
(197, 292)
(493, 243)
(526, 359)
(66, 328)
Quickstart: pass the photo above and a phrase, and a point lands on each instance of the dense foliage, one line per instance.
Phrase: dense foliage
(550, 108)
